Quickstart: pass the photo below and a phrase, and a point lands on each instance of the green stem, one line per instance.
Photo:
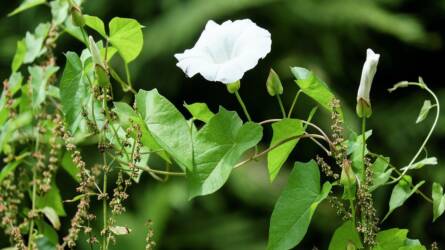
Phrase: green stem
(427, 138)
(293, 103)
(34, 196)
(127, 72)
(104, 204)
(243, 106)
(280, 102)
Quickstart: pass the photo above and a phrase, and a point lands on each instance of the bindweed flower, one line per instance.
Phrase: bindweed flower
(223, 53)
(369, 69)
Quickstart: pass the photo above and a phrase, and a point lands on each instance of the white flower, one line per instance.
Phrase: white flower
(223, 53)
(368, 72)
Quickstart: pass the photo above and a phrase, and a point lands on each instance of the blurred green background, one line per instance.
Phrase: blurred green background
(327, 36)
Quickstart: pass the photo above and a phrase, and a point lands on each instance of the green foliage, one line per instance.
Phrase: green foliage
(381, 173)
(96, 24)
(26, 4)
(426, 107)
(39, 80)
(217, 147)
(104, 139)
(401, 192)
(345, 235)
(395, 238)
(126, 36)
(438, 200)
(73, 90)
(200, 111)
(282, 130)
(313, 87)
(167, 126)
(296, 205)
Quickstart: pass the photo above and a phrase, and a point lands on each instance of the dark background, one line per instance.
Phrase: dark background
(329, 37)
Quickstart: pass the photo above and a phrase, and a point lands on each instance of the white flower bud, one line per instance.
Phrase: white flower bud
(368, 72)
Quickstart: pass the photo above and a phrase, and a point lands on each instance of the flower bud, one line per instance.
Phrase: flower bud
(233, 87)
(363, 107)
(77, 16)
(273, 84)
(95, 53)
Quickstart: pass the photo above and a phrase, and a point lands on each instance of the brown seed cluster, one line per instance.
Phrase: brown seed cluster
(149, 242)
(87, 183)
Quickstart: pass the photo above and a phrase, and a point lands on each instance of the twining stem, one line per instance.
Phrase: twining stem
(243, 106)
(289, 114)
(399, 173)
(425, 141)
(280, 102)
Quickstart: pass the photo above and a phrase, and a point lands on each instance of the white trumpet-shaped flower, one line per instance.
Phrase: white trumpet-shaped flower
(368, 72)
(223, 53)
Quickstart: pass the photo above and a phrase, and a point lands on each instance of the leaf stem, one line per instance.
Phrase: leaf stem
(280, 102)
(289, 114)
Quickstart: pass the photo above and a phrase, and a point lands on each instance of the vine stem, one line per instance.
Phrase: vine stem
(425, 141)
(419, 192)
(243, 106)
(34, 196)
(280, 103)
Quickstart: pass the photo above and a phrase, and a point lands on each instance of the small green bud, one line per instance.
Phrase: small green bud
(95, 53)
(273, 84)
(363, 109)
(77, 16)
(102, 76)
(233, 87)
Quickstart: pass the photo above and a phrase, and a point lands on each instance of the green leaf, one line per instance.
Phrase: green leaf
(344, 235)
(126, 36)
(9, 168)
(27, 4)
(313, 87)
(46, 231)
(282, 130)
(431, 161)
(438, 200)
(45, 243)
(10, 127)
(401, 192)
(52, 216)
(19, 55)
(126, 114)
(424, 111)
(59, 11)
(73, 91)
(294, 209)
(393, 238)
(39, 80)
(380, 173)
(34, 43)
(355, 148)
(51, 199)
(69, 166)
(200, 111)
(166, 125)
(96, 24)
(218, 146)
